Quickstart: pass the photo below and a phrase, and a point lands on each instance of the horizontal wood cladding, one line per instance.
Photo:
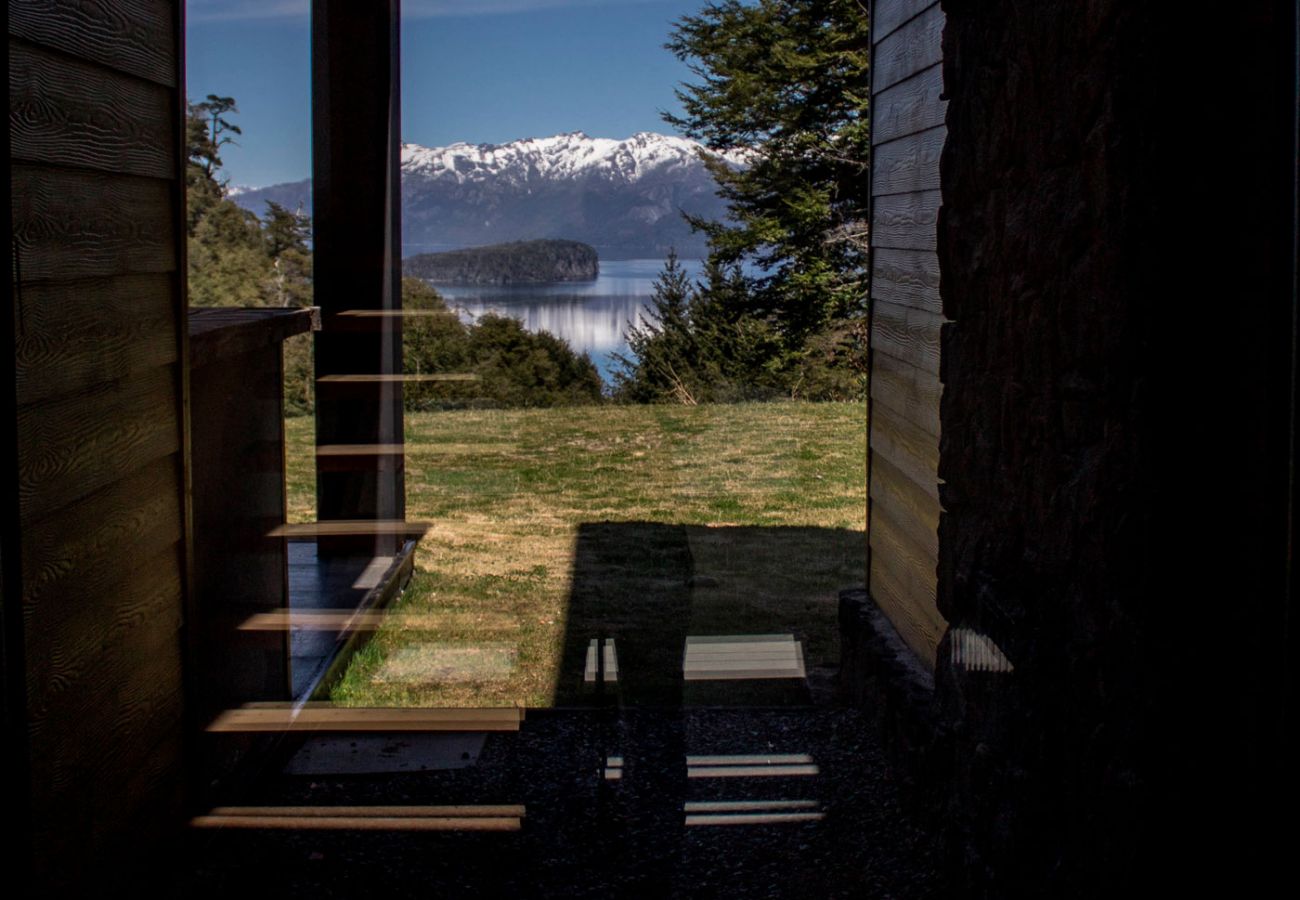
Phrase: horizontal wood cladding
(70, 660)
(94, 740)
(913, 47)
(910, 106)
(907, 334)
(133, 36)
(906, 278)
(68, 113)
(910, 163)
(911, 393)
(888, 15)
(72, 447)
(74, 224)
(74, 335)
(89, 546)
(914, 511)
(903, 583)
(907, 446)
(905, 221)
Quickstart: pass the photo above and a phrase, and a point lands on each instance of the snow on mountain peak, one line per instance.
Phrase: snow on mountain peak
(558, 157)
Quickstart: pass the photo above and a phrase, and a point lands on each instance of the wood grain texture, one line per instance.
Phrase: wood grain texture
(905, 445)
(68, 657)
(910, 392)
(72, 336)
(71, 224)
(911, 509)
(903, 593)
(907, 334)
(71, 448)
(905, 221)
(87, 734)
(133, 36)
(66, 113)
(90, 546)
(908, 164)
(888, 15)
(906, 278)
(910, 106)
(915, 46)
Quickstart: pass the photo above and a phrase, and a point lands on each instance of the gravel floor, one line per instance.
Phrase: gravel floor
(586, 836)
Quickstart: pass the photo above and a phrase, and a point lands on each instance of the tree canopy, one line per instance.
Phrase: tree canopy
(780, 309)
(790, 80)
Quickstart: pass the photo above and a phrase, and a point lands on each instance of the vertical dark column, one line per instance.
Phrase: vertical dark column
(15, 782)
(356, 144)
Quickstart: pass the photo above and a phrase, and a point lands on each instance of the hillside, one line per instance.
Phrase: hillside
(624, 197)
(518, 262)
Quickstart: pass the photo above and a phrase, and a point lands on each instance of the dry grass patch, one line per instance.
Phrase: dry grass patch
(645, 523)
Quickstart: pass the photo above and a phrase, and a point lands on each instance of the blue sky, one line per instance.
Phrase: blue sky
(484, 71)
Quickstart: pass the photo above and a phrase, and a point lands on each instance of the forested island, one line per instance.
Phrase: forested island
(518, 262)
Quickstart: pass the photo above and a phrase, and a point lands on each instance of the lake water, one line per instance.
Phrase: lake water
(592, 316)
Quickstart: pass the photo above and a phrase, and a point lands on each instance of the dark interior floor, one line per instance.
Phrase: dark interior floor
(710, 803)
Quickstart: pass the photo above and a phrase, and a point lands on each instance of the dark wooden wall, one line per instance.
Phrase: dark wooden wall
(907, 138)
(95, 100)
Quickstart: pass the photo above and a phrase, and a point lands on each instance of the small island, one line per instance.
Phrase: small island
(518, 262)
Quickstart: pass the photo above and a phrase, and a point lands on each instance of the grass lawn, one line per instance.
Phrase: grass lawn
(643, 523)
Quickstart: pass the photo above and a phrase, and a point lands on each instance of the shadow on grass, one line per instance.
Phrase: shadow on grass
(650, 586)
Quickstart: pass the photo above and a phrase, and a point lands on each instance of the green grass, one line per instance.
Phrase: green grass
(646, 523)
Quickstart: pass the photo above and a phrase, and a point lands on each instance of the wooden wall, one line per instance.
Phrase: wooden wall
(907, 138)
(95, 99)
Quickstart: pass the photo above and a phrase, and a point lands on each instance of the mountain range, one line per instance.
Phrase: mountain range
(624, 197)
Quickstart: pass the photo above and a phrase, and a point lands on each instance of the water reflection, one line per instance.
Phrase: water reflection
(591, 316)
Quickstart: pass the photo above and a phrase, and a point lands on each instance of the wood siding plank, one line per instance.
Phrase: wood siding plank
(909, 335)
(71, 448)
(74, 736)
(906, 278)
(903, 584)
(888, 15)
(908, 164)
(66, 113)
(910, 106)
(133, 36)
(74, 335)
(912, 393)
(914, 511)
(915, 46)
(72, 224)
(89, 546)
(70, 657)
(906, 221)
(909, 448)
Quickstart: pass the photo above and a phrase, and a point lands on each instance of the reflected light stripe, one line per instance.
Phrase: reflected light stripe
(258, 718)
(370, 620)
(463, 811)
(747, 759)
(396, 379)
(346, 527)
(392, 313)
(749, 771)
(359, 823)
(754, 818)
(716, 806)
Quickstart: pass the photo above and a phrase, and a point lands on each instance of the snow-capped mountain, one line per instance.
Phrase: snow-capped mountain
(625, 197)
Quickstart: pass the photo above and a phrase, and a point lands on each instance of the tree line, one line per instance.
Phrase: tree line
(237, 258)
(780, 310)
(789, 81)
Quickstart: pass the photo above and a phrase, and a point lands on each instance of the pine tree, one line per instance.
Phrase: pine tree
(666, 355)
(789, 79)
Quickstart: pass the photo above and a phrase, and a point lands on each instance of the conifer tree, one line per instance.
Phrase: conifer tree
(789, 79)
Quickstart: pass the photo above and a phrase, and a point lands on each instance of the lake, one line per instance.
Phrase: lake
(592, 316)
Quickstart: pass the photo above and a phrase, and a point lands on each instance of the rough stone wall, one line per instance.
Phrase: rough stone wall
(1113, 438)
